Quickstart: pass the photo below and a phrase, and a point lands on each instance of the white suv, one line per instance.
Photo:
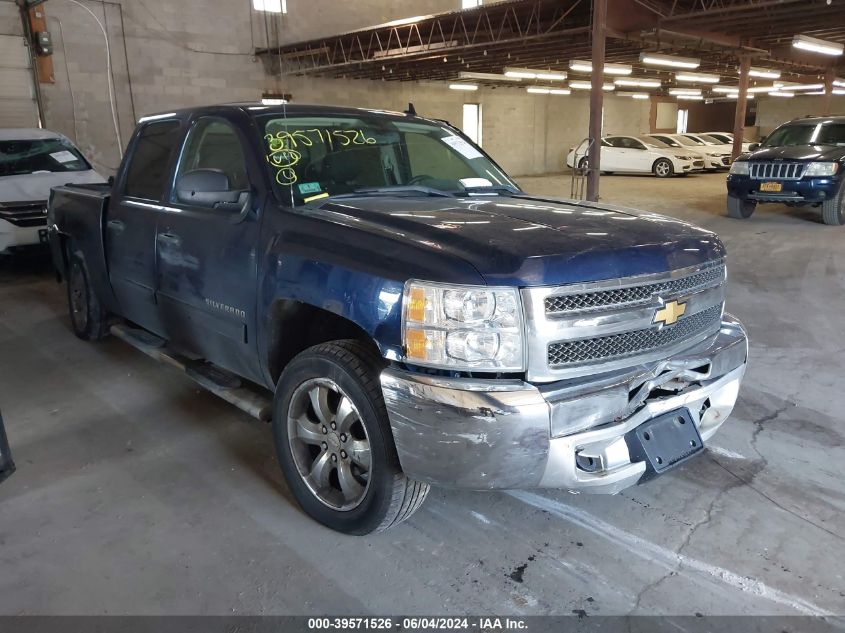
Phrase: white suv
(32, 161)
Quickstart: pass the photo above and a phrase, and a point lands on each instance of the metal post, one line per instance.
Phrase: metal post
(596, 98)
(741, 102)
(827, 99)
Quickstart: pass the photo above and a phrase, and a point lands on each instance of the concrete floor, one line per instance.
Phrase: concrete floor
(137, 493)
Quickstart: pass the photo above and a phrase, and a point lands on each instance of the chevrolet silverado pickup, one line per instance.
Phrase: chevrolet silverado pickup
(801, 163)
(379, 289)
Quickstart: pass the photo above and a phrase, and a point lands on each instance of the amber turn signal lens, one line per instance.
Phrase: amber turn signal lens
(415, 343)
(416, 305)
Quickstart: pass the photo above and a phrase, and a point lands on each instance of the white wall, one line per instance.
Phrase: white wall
(772, 111)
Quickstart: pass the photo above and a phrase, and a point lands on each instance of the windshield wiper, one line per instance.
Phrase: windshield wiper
(401, 189)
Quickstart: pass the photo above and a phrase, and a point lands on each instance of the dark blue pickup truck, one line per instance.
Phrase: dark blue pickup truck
(801, 163)
(377, 287)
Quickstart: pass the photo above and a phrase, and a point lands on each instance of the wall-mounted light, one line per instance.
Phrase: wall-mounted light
(699, 78)
(763, 73)
(467, 87)
(658, 59)
(637, 82)
(815, 45)
(584, 66)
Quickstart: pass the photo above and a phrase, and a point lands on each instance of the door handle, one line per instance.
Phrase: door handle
(169, 238)
(116, 225)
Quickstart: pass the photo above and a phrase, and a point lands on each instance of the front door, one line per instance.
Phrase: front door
(207, 254)
(131, 222)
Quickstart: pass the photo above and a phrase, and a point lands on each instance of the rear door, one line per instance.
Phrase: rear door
(130, 232)
(207, 254)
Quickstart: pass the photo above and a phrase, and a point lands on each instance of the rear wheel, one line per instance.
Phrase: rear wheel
(334, 442)
(739, 208)
(662, 168)
(833, 210)
(87, 315)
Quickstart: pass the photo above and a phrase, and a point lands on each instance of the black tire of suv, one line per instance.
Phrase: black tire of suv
(833, 210)
(740, 209)
(659, 161)
(88, 318)
(391, 497)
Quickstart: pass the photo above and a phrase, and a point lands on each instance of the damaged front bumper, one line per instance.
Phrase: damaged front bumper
(7, 466)
(505, 434)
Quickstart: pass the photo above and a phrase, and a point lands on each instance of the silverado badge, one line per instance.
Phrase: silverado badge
(670, 313)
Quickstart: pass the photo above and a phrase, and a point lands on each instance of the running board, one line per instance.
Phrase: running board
(249, 399)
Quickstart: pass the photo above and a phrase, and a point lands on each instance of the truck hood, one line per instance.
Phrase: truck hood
(36, 187)
(800, 152)
(530, 241)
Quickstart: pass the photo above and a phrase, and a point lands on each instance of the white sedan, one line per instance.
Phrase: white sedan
(714, 156)
(728, 139)
(627, 154)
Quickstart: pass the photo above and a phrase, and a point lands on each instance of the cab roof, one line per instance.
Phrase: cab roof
(254, 108)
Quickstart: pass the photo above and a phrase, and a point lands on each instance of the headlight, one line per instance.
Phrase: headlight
(821, 169)
(685, 157)
(463, 327)
(740, 167)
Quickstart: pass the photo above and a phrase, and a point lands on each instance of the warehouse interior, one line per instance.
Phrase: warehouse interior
(138, 493)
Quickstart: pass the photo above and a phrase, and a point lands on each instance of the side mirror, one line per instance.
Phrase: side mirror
(753, 147)
(205, 188)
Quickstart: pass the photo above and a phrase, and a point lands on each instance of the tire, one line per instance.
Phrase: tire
(662, 168)
(88, 318)
(833, 210)
(584, 163)
(338, 384)
(740, 209)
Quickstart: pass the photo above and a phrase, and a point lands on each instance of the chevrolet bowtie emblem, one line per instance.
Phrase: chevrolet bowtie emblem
(670, 313)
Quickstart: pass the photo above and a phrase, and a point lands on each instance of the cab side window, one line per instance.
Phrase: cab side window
(148, 168)
(214, 145)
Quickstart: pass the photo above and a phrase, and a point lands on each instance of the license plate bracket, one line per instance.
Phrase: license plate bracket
(774, 187)
(665, 441)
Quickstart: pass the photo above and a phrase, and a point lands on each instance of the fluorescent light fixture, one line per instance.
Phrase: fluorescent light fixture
(272, 101)
(639, 95)
(702, 78)
(690, 97)
(735, 95)
(529, 73)
(463, 86)
(638, 82)
(685, 91)
(538, 91)
(835, 91)
(814, 45)
(794, 87)
(778, 93)
(658, 59)
(487, 77)
(763, 73)
(582, 66)
(587, 85)
(560, 91)
(726, 89)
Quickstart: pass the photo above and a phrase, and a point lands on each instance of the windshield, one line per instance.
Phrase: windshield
(824, 133)
(652, 142)
(711, 139)
(685, 140)
(319, 156)
(722, 138)
(41, 155)
(668, 140)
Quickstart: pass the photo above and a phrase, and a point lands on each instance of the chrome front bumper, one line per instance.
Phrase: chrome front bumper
(503, 434)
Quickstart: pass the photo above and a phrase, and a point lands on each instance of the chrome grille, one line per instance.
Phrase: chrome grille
(605, 348)
(635, 295)
(780, 171)
(24, 214)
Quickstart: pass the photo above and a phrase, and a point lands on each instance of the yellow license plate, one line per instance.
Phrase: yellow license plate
(771, 186)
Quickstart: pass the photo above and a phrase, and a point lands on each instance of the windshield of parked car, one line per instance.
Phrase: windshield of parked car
(312, 157)
(711, 139)
(722, 138)
(652, 142)
(668, 140)
(824, 133)
(689, 142)
(39, 155)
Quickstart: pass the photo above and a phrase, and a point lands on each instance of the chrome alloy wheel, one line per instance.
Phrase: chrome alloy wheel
(663, 168)
(78, 298)
(329, 444)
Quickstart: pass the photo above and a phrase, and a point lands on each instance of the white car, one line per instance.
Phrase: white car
(626, 154)
(714, 156)
(32, 161)
(728, 139)
(683, 153)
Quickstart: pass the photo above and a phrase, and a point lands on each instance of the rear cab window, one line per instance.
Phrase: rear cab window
(149, 163)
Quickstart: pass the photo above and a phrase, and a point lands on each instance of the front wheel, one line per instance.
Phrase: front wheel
(833, 210)
(662, 168)
(334, 443)
(740, 209)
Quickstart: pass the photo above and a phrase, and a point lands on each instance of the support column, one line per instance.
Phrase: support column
(741, 103)
(596, 97)
(827, 99)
